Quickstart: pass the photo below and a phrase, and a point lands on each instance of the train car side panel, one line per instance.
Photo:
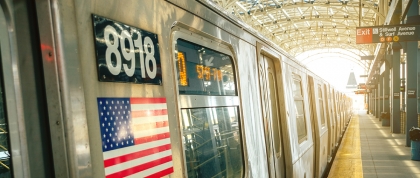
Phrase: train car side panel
(253, 125)
(299, 119)
(163, 31)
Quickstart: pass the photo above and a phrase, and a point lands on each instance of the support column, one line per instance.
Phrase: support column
(375, 101)
(418, 85)
(396, 81)
(412, 49)
(378, 97)
(371, 101)
(385, 84)
(411, 118)
(368, 102)
(381, 94)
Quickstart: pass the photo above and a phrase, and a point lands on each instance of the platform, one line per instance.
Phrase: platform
(369, 150)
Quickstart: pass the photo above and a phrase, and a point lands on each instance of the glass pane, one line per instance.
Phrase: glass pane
(319, 91)
(203, 71)
(5, 162)
(321, 105)
(274, 111)
(212, 142)
(300, 120)
(296, 86)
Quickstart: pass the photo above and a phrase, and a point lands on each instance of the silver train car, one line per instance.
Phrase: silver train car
(156, 88)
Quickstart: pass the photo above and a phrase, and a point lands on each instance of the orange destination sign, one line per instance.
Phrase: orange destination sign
(388, 33)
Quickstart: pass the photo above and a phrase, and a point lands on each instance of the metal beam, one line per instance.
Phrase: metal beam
(370, 57)
(332, 6)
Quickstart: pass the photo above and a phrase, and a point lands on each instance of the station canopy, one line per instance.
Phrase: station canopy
(309, 27)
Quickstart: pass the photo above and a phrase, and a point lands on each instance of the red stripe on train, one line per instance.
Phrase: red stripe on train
(147, 100)
(139, 168)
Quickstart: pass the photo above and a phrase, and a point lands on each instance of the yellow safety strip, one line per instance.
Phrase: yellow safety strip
(348, 160)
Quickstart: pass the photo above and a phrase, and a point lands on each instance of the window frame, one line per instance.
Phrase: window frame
(186, 101)
(300, 97)
(322, 105)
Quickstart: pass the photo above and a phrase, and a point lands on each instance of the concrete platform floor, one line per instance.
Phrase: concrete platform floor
(381, 153)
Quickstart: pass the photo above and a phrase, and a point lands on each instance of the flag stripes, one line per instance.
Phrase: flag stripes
(141, 165)
(132, 156)
(135, 148)
(156, 172)
(150, 126)
(149, 113)
(148, 101)
(151, 138)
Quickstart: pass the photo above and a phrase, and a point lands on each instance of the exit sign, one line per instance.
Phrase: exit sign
(363, 35)
(387, 33)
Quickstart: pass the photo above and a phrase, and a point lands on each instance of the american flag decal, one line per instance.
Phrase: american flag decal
(135, 137)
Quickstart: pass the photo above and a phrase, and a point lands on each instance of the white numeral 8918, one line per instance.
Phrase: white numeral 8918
(128, 53)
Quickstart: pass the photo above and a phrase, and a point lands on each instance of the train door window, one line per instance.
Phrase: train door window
(212, 142)
(321, 105)
(209, 108)
(270, 100)
(274, 108)
(331, 99)
(299, 108)
(326, 101)
(271, 115)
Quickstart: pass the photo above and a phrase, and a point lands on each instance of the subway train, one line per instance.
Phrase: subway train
(156, 88)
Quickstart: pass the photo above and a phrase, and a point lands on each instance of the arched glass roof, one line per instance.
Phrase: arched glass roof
(312, 26)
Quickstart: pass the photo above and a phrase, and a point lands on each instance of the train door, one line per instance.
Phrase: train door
(340, 109)
(14, 160)
(320, 134)
(314, 124)
(337, 113)
(5, 157)
(329, 122)
(332, 119)
(25, 140)
(209, 107)
(271, 116)
(336, 117)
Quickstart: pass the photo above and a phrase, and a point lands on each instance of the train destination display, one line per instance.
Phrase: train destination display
(386, 34)
(204, 71)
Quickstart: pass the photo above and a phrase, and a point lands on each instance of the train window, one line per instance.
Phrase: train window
(212, 142)
(203, 71)
(326, 102)
(321, 105)
(299, 108)
(274, 111)
(297, 87)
